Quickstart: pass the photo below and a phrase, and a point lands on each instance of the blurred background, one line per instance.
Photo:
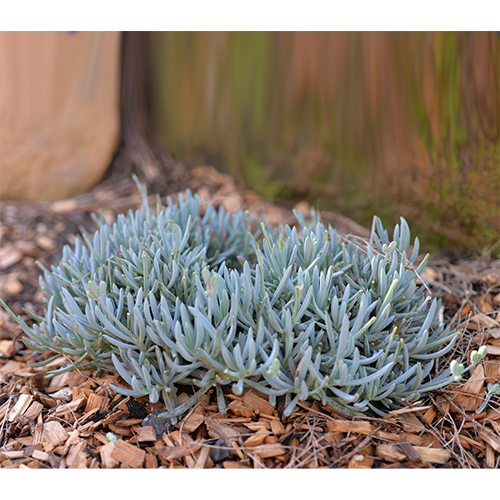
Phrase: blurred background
(367, 123)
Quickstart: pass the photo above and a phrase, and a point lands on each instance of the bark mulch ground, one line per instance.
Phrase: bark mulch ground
(76, 421)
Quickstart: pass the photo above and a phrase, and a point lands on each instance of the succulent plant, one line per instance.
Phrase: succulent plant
(199, 297)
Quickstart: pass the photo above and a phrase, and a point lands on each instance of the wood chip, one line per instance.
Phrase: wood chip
(74, 453)
(146, 433)
(9, 256)
(266, 450)
(490, 457)
(171, 453)
(496, 426)
(409, 451)
(7, 347)
(11, 285)
(44, 242)
(490, 438)
(433, 455)
(25, 441)
(277, 427)
(38, 435)
(390, 452)
(128, 422)
(193, 421)
(120, 431)
(74, 438)
(54, 432)
(188, 441)
(34, 410)
(108, 461)
(20, 407)
(234, 465)
(11, 367)
(410, 423)
(5, 407)
(95, 401)
(72, 407)
(242, 410)
(355, 426)
(466, 439)
(40, 455)
(402, 411)
(492, 371)
(391, 436)
(203, 457)
(150, 461)
(257, 438)
(360, 462)
(430, 414)
(470, 402)
(64, 206)
(128, 454)
(261, 424)
(259, 404)
(80, 462)
(218, 430)
(12, 454)
(493, 350)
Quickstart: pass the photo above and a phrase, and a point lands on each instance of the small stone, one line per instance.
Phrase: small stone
(160, 425)
(219, 454)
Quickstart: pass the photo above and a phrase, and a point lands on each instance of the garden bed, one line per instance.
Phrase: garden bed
(77, 421)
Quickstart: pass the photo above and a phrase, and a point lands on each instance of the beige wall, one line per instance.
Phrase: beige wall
(59, 112)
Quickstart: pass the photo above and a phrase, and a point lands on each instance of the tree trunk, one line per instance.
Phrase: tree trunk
(141, 151)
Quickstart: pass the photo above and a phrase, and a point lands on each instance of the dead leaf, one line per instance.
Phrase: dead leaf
(475, 382)
(484, 304)
(428, 275)
(465, 310)
(486, 321)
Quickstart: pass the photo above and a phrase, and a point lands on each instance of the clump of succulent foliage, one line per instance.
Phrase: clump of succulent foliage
(200, 297)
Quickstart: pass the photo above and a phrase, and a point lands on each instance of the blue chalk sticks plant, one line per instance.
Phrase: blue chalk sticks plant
(200, 297)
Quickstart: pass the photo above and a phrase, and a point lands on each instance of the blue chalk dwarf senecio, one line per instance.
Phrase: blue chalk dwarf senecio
(203, 298)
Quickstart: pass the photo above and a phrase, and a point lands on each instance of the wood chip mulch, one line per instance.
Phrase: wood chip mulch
(75, 421)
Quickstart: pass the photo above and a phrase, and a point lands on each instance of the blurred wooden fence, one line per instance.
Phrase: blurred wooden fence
(351, 119)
